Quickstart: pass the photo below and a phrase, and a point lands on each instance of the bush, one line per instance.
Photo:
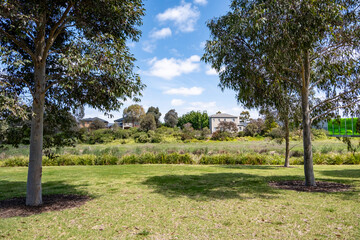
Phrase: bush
(319, 134)
(221, 136)
(141, 137)
(178, 158)
(121, 134)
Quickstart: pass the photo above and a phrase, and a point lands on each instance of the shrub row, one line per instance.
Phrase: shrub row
(177, 158)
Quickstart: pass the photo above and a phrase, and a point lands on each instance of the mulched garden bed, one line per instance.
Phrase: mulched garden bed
(16, 207)
(320, 186)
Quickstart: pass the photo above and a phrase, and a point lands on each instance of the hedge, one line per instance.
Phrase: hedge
(177, 158)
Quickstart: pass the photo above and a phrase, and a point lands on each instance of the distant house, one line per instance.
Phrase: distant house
(87, 121)
(215, 119)
(124, 125)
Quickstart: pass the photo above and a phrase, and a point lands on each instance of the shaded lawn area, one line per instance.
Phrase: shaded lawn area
(186, 202)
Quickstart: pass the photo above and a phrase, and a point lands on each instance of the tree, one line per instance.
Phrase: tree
(97, 124)
(69, 53)
(60, 129)
(156, 113)
(197, 119)
(269, 119)
(133, 114)
(244, 116)
(171, 118)
(148, 122)
(227, 127)
(255, 127)
(302, 46)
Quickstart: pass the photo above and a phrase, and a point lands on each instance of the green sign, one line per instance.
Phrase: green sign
(343, 127)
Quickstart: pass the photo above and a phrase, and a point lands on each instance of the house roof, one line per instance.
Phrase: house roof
(222, 115)
(119, 120)
(93, 119)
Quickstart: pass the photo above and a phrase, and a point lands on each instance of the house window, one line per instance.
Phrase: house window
(225, 120)
(233, 119)
(213, 119)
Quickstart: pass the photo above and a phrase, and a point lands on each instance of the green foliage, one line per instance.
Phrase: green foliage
(148, 122)
(171, 118)
(133, 114)
(187, 132)
(97, 124)
(318, 134)
(221, 136)
(197, 119)
(255, 127)
(156, 113)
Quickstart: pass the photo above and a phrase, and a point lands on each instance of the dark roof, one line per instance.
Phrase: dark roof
(93, 119)
(223, 115)
(119, 120)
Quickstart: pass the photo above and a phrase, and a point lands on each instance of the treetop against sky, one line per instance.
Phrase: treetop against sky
(168, 56)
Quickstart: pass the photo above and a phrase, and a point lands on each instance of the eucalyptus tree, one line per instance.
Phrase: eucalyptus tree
(68, 53)
(171, 118)
(156, 113)
(299, 46)
(134, 114)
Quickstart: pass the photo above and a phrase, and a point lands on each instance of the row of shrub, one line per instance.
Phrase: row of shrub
(176, 158)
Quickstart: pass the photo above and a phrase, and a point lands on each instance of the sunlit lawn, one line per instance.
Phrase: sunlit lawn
(186, 202)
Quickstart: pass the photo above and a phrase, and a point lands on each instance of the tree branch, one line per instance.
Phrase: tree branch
(19, 43)
(55, 30)
(332, 99)
(332, 109)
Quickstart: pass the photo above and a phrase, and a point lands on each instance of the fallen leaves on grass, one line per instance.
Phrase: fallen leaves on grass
(320, 186)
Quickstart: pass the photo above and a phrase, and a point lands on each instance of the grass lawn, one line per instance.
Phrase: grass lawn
(186, 202)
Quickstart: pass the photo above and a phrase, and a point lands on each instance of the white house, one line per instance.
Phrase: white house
(215, 119)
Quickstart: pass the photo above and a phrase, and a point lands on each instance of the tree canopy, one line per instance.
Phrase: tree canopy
(133, 114)
(69, 54)
(292, 47)
(198, 120)
(171, 118)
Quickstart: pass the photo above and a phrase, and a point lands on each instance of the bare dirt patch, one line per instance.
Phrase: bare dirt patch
(320, 186)
(16, 207)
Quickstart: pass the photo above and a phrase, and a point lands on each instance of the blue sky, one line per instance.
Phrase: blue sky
(168, 59)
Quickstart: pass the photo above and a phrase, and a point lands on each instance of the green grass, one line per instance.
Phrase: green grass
(211, 147)
(187, 202)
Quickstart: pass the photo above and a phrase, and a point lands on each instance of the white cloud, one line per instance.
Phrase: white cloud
(211, 71)
(210, 107)
(177, 102)
(184, 16)
(200, 2)
(160, 34)
(168, 68)
(194, 91)
(148, 47)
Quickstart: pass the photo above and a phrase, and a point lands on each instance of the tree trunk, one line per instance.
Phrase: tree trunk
(287, 141)
(33, 189)
(308, 158)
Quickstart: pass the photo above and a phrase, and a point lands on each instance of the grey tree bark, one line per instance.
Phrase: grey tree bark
(308, 158)
(287, 141)
(33, 188)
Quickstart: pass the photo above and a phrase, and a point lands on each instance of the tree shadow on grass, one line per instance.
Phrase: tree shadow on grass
(57, 196)
(11, 189)
(344, 173)
(258, 167)
(213, 186)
